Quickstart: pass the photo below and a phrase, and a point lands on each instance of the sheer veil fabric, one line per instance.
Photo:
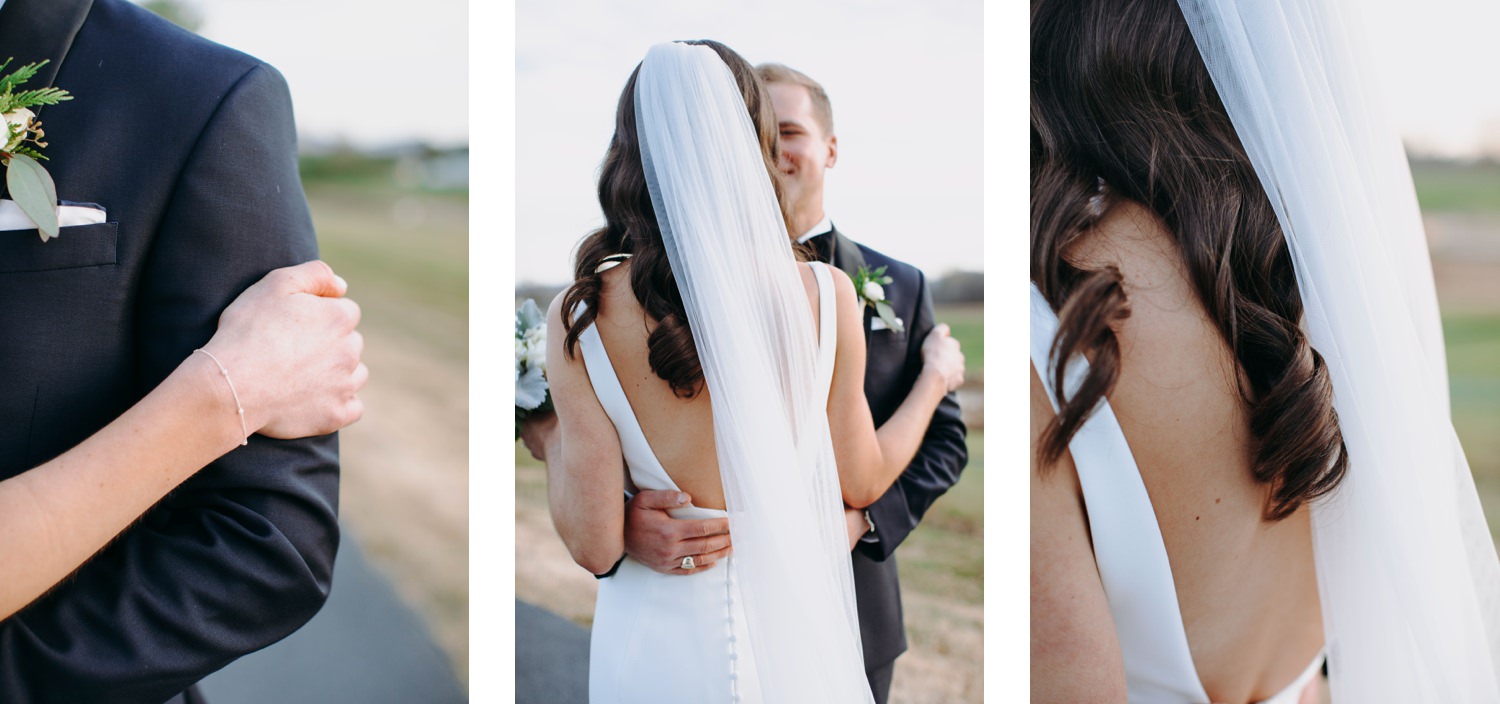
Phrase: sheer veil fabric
(1407, 572)
(748, 311)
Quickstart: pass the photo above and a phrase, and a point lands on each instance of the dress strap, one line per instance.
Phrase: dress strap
(827, 324)
(1128, 548)
(644, 470)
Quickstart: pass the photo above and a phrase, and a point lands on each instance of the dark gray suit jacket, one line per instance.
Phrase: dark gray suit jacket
(893, 361)
(191, 150)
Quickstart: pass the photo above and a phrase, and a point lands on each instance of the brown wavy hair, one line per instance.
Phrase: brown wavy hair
(1123, 109)
(630, 227)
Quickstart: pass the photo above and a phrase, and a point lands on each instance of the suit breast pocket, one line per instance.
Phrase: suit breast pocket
(885, 355)
(73, 248)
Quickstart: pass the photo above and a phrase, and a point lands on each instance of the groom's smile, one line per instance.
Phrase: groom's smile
(808, 148)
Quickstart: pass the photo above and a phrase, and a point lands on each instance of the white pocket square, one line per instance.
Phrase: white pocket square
(68, 215)
(877, 323)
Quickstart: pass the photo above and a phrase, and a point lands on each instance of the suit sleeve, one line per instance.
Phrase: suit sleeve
(942, 456)
(241, 554)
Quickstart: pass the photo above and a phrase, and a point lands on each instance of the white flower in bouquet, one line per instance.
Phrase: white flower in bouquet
(531, 389)
(535, 343)
(532, 394)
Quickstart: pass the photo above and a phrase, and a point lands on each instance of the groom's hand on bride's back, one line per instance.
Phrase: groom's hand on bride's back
(656, 539)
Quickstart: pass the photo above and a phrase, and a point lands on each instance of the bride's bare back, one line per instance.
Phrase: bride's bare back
(1246, 587)
(680, 431)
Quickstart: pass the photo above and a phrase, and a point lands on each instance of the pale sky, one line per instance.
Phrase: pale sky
(370, 71)
(904, 79)
(1436, 61)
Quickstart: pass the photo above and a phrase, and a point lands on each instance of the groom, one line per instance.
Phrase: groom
(808, 148)
(190, 149)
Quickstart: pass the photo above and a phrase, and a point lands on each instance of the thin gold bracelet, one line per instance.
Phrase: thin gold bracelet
(239, 409)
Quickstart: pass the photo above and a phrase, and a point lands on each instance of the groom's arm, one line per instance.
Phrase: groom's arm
(942, 456)
(241, 554)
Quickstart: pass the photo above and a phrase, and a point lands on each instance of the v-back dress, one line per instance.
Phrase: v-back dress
(667, 638)
(1128, 547)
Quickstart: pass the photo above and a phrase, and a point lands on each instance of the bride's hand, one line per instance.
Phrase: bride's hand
(292, 353)
(854, 522)
(941, 356)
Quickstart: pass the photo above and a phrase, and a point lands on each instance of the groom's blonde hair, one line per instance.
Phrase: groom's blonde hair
(780, 73)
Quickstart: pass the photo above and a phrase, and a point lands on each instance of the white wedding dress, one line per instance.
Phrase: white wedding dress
(1128, 547)
(665, 638)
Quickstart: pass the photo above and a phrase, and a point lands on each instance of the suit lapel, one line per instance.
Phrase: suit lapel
(37, 30)
(846, 256)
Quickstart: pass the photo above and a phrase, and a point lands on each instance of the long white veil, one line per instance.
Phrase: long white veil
(1407, 571)
(753, 329)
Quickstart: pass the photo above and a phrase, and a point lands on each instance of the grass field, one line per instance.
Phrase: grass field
(1444, 186)
(942, 583)
(1473, 343)
(967, 325)
(1462, 201)
(405, 254)
(404, 486)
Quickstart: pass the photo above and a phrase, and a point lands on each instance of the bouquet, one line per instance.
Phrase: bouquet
(532, 394)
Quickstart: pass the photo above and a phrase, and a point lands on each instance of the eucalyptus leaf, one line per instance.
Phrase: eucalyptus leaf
(528, 316)
(889, 316)
(531, 389)
(32, 188)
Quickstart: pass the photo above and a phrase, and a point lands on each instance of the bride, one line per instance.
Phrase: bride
(1243, 461)
(694, 346)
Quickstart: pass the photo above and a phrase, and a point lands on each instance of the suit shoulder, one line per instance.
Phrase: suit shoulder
(895, 268)
(134, 35)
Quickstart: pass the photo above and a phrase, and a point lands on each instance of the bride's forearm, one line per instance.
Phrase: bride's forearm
(871, 460)
(901, 436)
(590, 522)
(54, 517)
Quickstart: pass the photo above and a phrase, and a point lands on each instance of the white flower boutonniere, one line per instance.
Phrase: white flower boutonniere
(869, 285)
(29, 185)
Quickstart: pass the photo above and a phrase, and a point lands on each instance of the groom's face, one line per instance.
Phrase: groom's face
(807, 150)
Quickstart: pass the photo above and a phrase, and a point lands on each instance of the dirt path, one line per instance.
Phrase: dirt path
(405, 488)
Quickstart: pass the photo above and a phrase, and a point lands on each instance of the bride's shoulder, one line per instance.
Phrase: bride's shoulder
(840, 279)
(555, 308)
(843, 286)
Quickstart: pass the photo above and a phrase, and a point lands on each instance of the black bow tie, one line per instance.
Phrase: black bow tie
(822, 246)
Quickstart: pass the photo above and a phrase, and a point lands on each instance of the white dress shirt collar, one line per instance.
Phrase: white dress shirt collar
(824, 225)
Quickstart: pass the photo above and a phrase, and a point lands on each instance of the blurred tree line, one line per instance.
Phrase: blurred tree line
(179, 12)
(952, 288)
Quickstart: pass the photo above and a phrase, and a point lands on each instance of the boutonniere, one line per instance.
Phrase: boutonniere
(868, 285)
(29, 184)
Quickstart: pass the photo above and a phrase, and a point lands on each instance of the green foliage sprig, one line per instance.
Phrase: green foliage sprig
(27, 181)
(870, 285)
